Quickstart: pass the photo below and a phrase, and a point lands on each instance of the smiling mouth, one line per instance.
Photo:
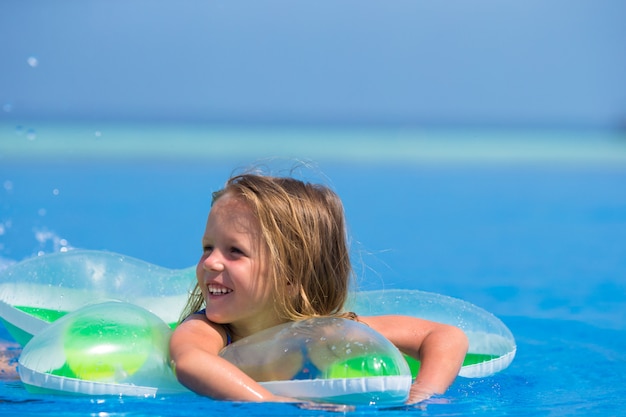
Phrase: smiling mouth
(218, 289)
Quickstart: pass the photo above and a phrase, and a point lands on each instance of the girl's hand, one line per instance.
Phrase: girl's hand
(419, 393)
(439, 347)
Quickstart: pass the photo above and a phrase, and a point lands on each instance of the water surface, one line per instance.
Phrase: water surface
(528, 225)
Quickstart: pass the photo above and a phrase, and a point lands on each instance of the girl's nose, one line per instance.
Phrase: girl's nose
(213, 262)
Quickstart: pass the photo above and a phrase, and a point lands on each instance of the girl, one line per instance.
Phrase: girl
(275, 250)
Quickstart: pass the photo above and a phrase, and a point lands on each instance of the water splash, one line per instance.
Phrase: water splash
(30, 133)
(5, 226)
(50, 242)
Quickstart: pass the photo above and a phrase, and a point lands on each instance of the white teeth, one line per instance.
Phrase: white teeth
(218, 289)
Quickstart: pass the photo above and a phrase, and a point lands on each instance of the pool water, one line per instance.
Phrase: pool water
(533, 231)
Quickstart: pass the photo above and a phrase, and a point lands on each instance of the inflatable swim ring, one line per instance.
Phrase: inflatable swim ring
(76, 339)
(39, 290)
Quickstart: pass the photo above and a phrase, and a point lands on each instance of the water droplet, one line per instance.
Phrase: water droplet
(32, 61)
(19, 130)
(42, 212)
(98, 133)
(8, 185)
(31, 134)
(42, 236)
(7, 107)
(55, 191)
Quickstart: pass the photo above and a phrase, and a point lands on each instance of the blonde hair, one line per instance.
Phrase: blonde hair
(303, 229)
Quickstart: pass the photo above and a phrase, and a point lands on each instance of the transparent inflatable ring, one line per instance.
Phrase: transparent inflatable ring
(77, 340)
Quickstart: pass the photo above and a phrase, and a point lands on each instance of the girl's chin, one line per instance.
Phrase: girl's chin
(216, 317)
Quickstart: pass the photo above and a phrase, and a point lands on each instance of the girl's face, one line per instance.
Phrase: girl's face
(232, 272)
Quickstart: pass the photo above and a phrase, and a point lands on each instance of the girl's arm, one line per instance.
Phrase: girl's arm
(194, 349)
(439, 347)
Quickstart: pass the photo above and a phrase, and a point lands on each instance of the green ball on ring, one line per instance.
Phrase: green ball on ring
(102, 350)
(363, 366)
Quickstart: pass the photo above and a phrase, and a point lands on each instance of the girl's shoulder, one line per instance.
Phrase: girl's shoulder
(197, 328)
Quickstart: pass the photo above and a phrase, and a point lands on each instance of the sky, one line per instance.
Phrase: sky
(537, 63)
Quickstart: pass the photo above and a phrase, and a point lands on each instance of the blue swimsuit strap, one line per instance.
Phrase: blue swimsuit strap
(229, 338)
(308, 370)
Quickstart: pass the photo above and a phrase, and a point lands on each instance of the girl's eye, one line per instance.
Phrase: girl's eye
(236, 251)
(207, 249)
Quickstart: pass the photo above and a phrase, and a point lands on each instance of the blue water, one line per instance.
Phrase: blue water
(539, 242)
